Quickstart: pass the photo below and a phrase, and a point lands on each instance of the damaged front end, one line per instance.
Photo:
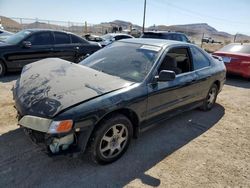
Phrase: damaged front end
(54, 136)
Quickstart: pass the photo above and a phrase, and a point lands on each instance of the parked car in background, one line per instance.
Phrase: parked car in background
(93, 38)
(208, 40)
(31, 45)
(4, 34)
(111, 37)
(236, 57)
(111, 96)
(134, 32)
(168, 35)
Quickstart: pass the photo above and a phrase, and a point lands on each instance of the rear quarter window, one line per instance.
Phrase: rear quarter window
(76, 39)
(61, 38)
(199, 59)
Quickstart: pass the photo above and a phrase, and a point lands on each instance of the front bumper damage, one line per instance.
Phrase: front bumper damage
(37, 129)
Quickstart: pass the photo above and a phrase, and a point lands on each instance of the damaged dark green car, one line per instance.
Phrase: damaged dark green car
(103, 102)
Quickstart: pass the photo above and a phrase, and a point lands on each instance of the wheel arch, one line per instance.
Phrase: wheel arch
(130, 114)
(4, 64)
(217, 83)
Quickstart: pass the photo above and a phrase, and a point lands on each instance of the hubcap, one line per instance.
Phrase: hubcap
(114, 141)
(211, 96)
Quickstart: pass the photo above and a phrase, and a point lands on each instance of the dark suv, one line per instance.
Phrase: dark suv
(30, 45)
(166, 35)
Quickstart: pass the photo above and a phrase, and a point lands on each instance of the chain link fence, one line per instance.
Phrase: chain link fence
(14, 24)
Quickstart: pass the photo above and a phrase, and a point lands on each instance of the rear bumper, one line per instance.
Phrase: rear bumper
(242, 70)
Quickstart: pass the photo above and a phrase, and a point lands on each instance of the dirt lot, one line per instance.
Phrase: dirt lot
(195, 149)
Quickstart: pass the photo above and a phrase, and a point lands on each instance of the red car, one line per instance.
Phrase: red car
(236, 58)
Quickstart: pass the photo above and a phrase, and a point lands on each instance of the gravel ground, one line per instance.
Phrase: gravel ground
(194, 149)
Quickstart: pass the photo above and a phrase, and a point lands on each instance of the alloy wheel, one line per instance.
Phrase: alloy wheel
(113, 141)
(1, 69)
(211, 96)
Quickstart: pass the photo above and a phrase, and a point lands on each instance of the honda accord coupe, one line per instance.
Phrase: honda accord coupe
(103, 102)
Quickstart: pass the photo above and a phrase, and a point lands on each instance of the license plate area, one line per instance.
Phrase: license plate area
(226, 59)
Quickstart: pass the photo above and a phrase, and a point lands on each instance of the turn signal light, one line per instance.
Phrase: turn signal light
(60, 126)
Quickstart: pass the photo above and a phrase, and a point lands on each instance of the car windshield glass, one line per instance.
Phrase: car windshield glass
(152, 35)
(106, 37)
(18, 37)
(236, 48)
(125, 60)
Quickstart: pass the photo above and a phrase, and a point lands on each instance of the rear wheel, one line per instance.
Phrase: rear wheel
(2, 69)
(210, 99)
(80, 58)
(111, 139)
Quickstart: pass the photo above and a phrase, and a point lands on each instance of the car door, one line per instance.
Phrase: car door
(170, 96)
(203, 70)
(82, 48)
(40, 47)
(63, 47)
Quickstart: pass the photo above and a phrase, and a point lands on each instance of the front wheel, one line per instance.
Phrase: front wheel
(210, 99)
(111, 139)
(2, 69)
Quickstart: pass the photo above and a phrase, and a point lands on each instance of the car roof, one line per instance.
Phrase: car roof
(154, 42)
(38, 30)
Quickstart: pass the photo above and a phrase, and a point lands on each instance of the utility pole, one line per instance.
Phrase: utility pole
(202, 40)
(144, 14)
(235, 37)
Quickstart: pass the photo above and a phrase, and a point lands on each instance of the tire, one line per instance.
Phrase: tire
(2, 69)
(110, 141)
(80, 58)
(210, 99)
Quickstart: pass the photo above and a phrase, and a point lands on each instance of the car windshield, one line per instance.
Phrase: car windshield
(167, 36)
(238, 48)
(107, 37)
(125, 60)
(18, 37)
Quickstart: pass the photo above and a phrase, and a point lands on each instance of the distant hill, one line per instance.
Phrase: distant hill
(10, 24)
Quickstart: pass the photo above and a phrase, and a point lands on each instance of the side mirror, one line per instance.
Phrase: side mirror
(165, 75)
(26, 44)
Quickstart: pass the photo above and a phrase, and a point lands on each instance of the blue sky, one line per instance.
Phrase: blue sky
(226, 15)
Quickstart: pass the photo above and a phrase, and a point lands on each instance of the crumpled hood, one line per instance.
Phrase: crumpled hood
(48, 86)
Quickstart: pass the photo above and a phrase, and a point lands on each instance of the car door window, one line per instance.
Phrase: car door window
(122, 37)
(177, 60)
(61, 38)
(118, 37)
(184, 38)
(199, 59)
(43, 38)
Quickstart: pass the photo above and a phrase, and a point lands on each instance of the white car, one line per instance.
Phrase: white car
(111, 37)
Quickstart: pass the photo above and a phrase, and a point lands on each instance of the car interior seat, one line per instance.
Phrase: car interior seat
(169, 63)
